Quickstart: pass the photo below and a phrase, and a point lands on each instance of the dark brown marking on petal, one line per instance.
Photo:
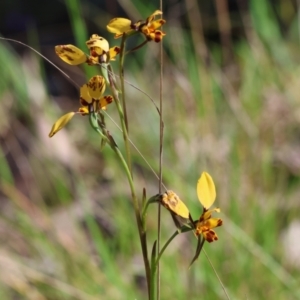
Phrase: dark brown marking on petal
(67, 49)
(82, 112)
(83, 102)
(68, 57)
(158, 36)
(89, 42)
(109, 99)
(93, 53)
(117, 49)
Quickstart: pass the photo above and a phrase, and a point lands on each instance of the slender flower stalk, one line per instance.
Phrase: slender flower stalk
(92, 103)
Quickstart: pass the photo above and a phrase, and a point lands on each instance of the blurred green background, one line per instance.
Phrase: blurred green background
(231, 108)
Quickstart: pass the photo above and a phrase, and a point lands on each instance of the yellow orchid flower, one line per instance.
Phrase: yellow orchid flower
(91, 99)
(206, 192)
(149, 28)
(100, 51)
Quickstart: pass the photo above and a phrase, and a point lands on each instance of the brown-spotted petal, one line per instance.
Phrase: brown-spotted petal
(98, 41)
(173, 203)
(213, 223)
(96, 86)
(205, 226)
(210, 235)
(85, 97)
(113, 52)
(71, 54)
(104, 101)
(157, 36)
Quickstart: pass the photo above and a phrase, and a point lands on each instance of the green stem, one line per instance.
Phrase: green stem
(122, 57)
(153, 199)
(109, 139)
(154, 265)
(153, 272)
(137, 47)
(165, 246)
(142, 233)
(121, 115)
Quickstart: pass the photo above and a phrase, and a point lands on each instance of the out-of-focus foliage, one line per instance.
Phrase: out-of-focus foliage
(231, 108)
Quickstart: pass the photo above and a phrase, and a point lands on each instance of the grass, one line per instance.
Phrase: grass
(66, 222)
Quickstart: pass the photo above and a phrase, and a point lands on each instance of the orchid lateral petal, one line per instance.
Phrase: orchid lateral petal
(104, 101)
(209, 224)
(173, 203)
(71, 54)
(113, 52)
(85, 97)
(119, 26)
(206, 190)
(214, 222)
(60, 123)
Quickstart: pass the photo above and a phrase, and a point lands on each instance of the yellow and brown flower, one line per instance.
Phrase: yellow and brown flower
(91, 100)
(99, 52)
(150, 27)
(206, 192)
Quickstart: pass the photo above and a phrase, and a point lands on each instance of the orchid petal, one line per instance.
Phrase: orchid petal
(60, 123)
(71, 54)
(206, 190)
(173, 203)
(119, 26)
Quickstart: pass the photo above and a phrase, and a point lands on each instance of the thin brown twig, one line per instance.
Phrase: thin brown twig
(161, 134)
(137, 47)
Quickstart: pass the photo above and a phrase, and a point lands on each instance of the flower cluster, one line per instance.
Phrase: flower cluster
(149, 27)
(91, 100)
(204, 225)
(206, 192)
(91, 93)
